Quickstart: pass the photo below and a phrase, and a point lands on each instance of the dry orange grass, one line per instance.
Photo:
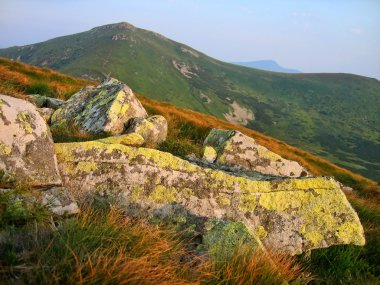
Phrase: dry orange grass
(258, 267)
(16, 77)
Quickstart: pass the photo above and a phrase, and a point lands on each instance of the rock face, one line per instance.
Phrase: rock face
(292, 215)
(26, 146)
(99, 110)
(232, 148)
(153, 129)
(46, 102)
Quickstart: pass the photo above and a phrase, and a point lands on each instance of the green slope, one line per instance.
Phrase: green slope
(336, 116)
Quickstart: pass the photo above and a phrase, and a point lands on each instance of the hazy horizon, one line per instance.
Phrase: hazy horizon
(318, 36)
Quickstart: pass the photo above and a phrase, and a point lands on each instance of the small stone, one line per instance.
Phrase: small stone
(153, 129)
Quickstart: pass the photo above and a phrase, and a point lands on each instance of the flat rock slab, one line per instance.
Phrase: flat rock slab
(103, 109)
(26, 146)
(292, 215)
(232, 148)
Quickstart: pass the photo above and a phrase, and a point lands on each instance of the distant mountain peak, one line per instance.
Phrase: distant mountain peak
(118, 26)
(268, 65)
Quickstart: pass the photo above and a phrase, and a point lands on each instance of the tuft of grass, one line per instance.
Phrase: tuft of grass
(20, 206)
(40, 88)
(258, 267)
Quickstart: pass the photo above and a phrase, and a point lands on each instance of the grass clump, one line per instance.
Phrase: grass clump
(40, 88)
(21, 206)
(258, 267)
(103, 246)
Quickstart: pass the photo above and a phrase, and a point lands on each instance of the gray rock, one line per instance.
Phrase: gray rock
(45, 102)
(153, 129)
(100, 110)
(26, 146)
(59, 201)
(46, 113)
(232, 148)
(288, 214)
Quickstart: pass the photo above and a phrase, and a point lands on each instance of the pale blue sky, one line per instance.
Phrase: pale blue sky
(309, 35)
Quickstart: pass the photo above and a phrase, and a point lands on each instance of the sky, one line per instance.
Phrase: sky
(308, 35)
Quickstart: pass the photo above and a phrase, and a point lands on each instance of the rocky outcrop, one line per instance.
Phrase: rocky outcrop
(291, 215)
(100, 110)
(26, 146)
(153, 129)
(45, 102)
(232, 148)
(46, 113)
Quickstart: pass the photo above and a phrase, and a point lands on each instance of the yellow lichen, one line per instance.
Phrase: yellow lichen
(261, 233)
(247, 203)
(24, 119)
(209, 153)
(315, 237)
(132, 139)
(86, 166)
(164, 195)
(5, 149)
(265, 153)
(136, 193)
(280, 201)
(223, 200)
(187, 193)
(346, 231)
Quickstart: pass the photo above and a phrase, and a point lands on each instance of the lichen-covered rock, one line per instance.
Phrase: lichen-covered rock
(236, 149)
(45, 102)
(46, 113)
(26, 147)
(209, 154)
(59, 201)
(292, 215)
(99, 110)
(153, 129)
(222, 238)
(132, 139)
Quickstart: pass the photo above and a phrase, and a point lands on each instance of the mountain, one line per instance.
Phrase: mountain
(335, 116)
(268, 65)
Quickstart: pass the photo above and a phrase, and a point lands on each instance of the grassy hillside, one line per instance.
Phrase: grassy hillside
(335, 116)
(155, 249)
(17, 79)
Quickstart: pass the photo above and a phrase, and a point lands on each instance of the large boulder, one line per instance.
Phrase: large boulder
(232, 148)
(100, 110)
(292, 215)
(26, 146)
(153, 129)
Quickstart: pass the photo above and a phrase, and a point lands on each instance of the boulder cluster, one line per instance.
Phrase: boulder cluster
(284, 208)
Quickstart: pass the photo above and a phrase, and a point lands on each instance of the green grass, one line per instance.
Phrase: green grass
(332, 115)
(102, 246)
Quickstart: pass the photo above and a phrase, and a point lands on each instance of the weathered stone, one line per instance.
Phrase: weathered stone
(26, 147)
(99, 110)
(132, 139)
(236, 149)
(153, 129)
(209, 154)
(45, 102)
(59, 201)
(222, 238)
(292, 215)
(46, 113)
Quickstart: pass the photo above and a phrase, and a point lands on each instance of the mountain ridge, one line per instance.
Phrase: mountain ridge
(268, 65)
(313, 111)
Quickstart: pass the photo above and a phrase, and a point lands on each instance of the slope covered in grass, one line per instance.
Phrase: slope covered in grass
(187, 130)
(335, 116)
